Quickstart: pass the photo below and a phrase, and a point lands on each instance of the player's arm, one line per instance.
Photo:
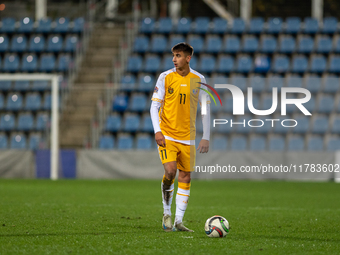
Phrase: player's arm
(159, 137)
(203, 146)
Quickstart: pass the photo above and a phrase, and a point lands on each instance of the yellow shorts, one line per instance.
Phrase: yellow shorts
(184, 155)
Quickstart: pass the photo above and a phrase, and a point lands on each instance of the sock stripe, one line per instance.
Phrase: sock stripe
(183, 185)
(182, 194)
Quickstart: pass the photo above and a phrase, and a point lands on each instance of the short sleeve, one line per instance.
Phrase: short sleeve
(159, 91)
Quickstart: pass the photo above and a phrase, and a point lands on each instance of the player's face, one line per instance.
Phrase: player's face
(180, 59)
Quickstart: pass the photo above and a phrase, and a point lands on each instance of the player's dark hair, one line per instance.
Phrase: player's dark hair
(186, 48)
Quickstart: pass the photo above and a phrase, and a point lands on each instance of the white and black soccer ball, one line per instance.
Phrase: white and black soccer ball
(216, 226)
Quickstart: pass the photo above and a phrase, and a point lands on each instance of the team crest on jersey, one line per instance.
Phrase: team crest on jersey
(195, 91)
(156, 89)
(170, 90)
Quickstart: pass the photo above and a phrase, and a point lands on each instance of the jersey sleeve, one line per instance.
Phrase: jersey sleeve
(159, 91)
(203, 93)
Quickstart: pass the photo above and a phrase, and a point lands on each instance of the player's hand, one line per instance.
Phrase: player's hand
(203, 147)
(160, 139)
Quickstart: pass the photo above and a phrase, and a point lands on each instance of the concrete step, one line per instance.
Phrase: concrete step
(93, 78)
(112, 51)
(95, 70)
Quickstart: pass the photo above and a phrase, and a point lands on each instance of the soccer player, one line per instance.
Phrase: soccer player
(177, 93)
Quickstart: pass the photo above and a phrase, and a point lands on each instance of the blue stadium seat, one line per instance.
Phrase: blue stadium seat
(21, 85)
(7, 122)
(4, 43)
(14, 102)
(5, 85)
(137, 103)
(313, 83)
(158, 44)
(41, 85)
(238, 143)
(47, 63)
(250, 44)
(220, 25)
(106, 142)
(267, 101)
(11, 63)
(318, 64)
(120, 103)
(336, 46)
(293, 25)
(54, 43)
(167, 63)
(336, 125)
(232, 44)
(213, 44)
(238, 26)
(202, 25)
(319, 125)
(47, 101)
(147, 25)
(227, 104)
(331, 84)
(0, 63)
(152, 63)
(207, 64)
(113, 123)
(125, 142)
(193, 62)
(175, 39)
(78, 25)
(2, 101)
(239, 81)
(33, 101)
(71, 42)
(325, 103)
(323, 44)
(244, 64)
(257, 143)
(131, 123)
(261, 64)
(258, 83)
(268, 44)
(330, 25)
(8, 25)
(333, 144)
(311, 25)
(314, 143)
(225, 64)
(310, 105)
(35, 141)
(299, 64)
(3, 141)
(276, 143)
(146, 124)
(274, 81)
(144, 142)
(296, 143)
(280, 64)
(18, 141)
(274, 25)
(29, 62)
(61, 25)
(305, 44)
(64, 62)
(36, 43)
(219, 79)
(25, 122)
(141, 44)
(183, 26)
(134, 64)
(223, 129)
(43, 121)
(44, 26)
(243, 127)
(286, 44)
(146, 83)
(18, 43)
(219, 143)
(196, 42)
(256, 25)
(165, 25)
(334, 64)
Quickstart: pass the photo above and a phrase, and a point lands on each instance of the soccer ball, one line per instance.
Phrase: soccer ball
(216, 226)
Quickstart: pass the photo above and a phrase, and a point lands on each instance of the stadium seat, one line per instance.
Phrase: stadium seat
(323, 44)
(232, 44)
(225, 64)
(314, 143)
(333, 144)
(21, 85)
(0, 63)
(265, 128)
(35, 141)
(78, 25)
(257, 143)
(152, 63)
(318, 64)
(125, 142)
(4, 43)
(286, 44)
(336, 125)
(250, 44)
(120, 103)
(220, 25)
(219, 143)
(336, 46)
(218, 79)
(147, 26)
(47, 63)
(146, 83)
(311, 25)
(54, 43)
(71, 42)
(106, 142)
(239, 81)
(25, 122)
(18, 141)
(14, 102)
(193, 62)
(8, 25)
(296, 143)
(240, 126)
(331, 84)
(325, 104)
(299, 64)
(197, 42)
(33, 101)
(18, 43)
(238, 143)
(7, 122)
(137, 103)
(43, 121)
(2, 102)
(313, 83)
(294, 80)
(261, 64)
(268, 44)
(61, 25)
(293, 25)
(258, 83)
(267, 101)
(3, 141)
(280, 64)
(29, 62)
(207, 64)
(244, 64)
(167, 63)
(310, 105)
(134, 64)
(113, 123)
(146, 124)
(5, 85)
(64, 62)
(144, 142)
(227, 104)
(305, 44)
(330, 25)
(128, 83)
(36, 43)
(238, 26)
(202, 25)
(183, 26)
(11, 63)
(47, 101)
(175, 39)
(44, 26)
(274, 81)
(165, 25)
(276, 143)
(141, 44)
(41, 85)
(319, 125)
(274, 25)
(213, 44)
(256, 25)
(158, 44)
(131, 123)
(334, 64)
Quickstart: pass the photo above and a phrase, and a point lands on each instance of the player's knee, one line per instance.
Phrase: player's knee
(170, 171)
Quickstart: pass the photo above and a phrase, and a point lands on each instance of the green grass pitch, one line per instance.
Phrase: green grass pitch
(124, 217)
